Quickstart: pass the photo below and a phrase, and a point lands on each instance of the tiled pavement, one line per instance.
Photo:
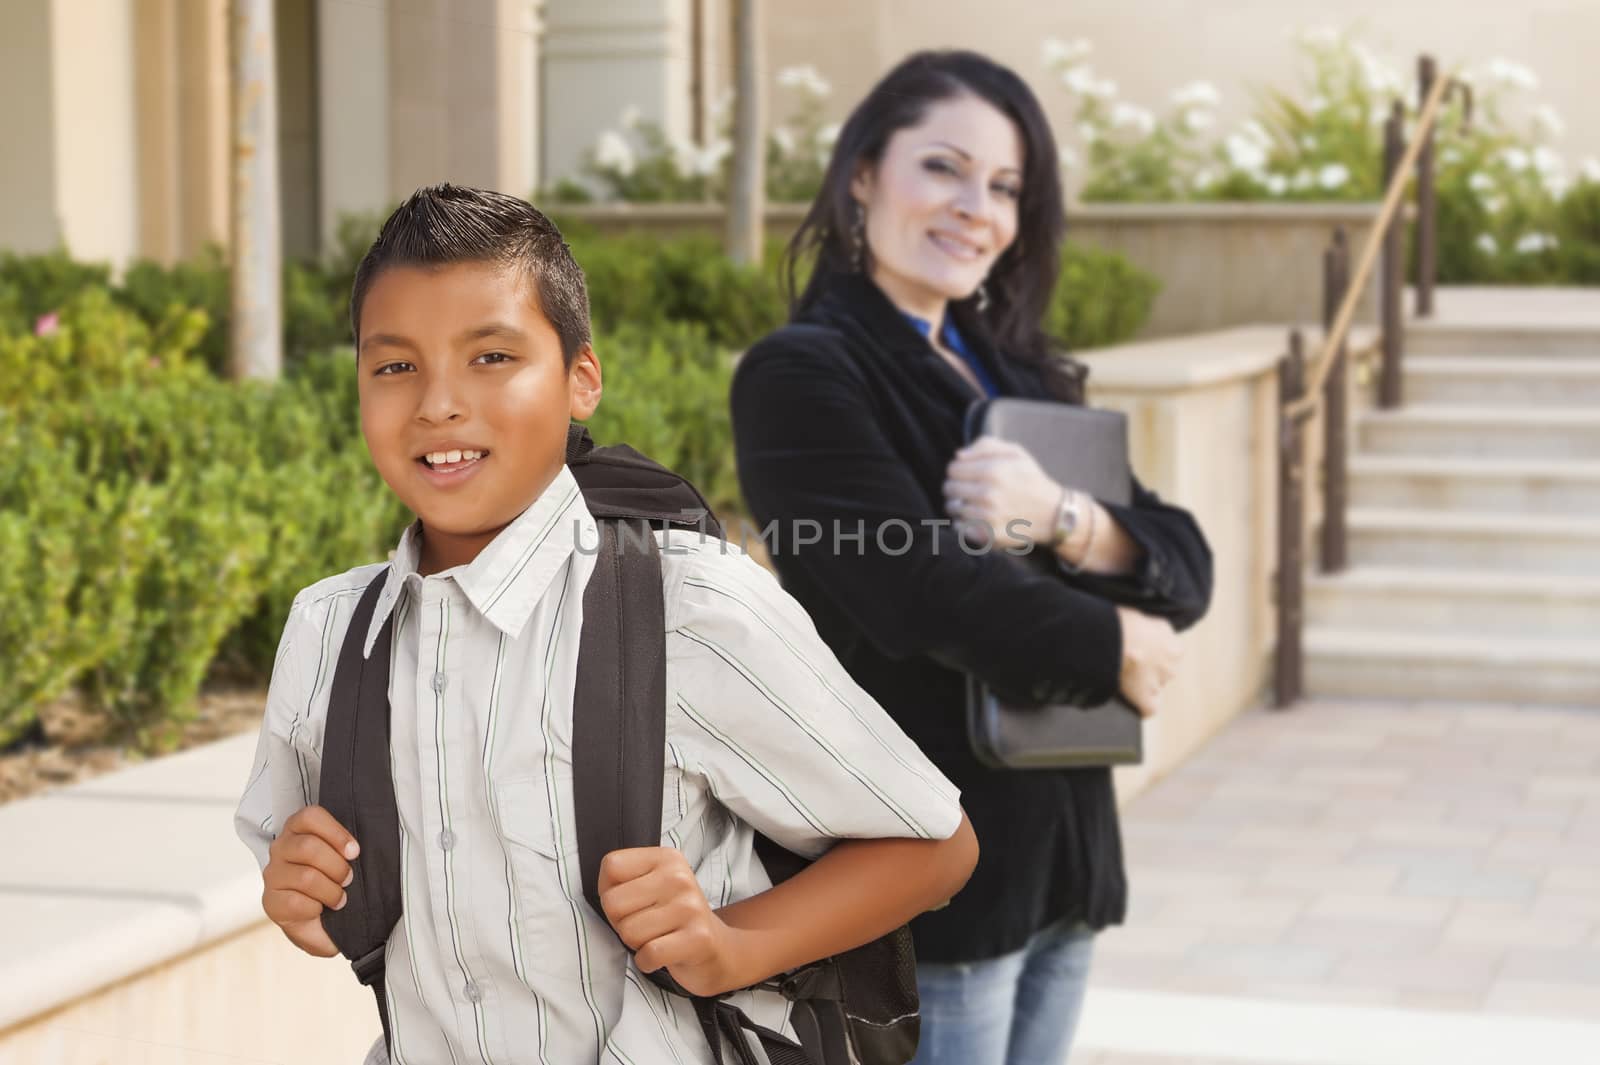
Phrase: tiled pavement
(1425, 878)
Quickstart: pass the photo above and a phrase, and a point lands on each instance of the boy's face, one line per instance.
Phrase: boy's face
(460, 359)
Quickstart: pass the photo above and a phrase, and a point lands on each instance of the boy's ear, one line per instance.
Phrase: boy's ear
(583, 383)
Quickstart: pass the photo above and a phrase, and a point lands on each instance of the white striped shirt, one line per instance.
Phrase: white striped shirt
(498, 958)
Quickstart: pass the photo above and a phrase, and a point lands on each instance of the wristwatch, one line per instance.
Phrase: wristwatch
(1069, 514)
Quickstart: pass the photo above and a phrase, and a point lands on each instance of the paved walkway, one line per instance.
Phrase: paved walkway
(1363, 884)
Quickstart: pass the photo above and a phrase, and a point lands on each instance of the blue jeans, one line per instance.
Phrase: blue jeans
(1017, 1009)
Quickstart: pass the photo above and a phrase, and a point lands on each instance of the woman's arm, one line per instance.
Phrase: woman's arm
(810, 448)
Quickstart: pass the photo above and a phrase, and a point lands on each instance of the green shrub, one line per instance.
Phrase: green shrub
(1578, 229)
(667, 395)
(1101, 299)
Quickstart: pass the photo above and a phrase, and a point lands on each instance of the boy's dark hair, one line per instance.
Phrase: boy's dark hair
(440, 225)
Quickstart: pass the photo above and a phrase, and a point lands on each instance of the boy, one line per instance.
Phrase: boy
(473, 350)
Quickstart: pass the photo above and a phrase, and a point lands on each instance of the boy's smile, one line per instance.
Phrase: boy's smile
(465, 399)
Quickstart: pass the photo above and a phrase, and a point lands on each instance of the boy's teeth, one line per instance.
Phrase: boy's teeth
(452, 456)
(449, 458)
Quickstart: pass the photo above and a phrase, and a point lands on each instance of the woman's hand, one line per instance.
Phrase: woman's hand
(1150, 655)
(996, 490)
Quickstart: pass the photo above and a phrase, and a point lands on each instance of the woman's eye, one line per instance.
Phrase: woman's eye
(940, 166)
(1009, 191)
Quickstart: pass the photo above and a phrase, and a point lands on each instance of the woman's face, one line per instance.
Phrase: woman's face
(942, 203)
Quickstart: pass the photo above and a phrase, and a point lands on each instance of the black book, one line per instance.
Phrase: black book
(1084, 449)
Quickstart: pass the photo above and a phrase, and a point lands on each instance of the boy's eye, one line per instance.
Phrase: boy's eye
(383, 370)
(496, 356)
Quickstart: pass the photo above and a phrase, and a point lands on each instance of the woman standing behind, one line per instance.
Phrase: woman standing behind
(936, 240)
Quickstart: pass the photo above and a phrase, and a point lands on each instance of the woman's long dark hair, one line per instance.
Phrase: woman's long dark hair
(1023, 278)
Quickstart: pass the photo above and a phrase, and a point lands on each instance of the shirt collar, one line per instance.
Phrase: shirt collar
(510, 575)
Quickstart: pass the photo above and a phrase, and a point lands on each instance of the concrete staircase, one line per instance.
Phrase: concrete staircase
(1474, 515)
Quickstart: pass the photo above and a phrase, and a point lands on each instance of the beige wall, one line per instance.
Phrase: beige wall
(1150, 47)
(28, 217)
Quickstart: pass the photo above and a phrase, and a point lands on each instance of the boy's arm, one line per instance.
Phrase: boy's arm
(858, 891)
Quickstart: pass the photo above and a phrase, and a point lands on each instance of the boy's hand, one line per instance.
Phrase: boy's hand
(652, 899)
(308, 868)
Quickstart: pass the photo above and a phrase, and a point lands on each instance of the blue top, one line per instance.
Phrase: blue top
(952, 340)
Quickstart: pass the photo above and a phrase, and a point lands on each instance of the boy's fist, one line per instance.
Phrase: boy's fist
(308, 868)
(652, 899)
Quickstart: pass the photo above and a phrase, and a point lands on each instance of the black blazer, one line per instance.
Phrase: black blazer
(852, 425)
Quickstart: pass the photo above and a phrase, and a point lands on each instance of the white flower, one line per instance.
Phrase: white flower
(1128, 116)
(1480, 182)
(1059, 53)
(1589, 169)
(1333, 176)
(1317, 104)
(1088, 132)
(1079, 79)
(1379, 114)
(1494, 204)
(1195, 121)
(1103, 90)
(1487, 244)
(611, 152)
(1516, 160)
(1066, 157)
(1556, 185)
(708, 160)
(1379, 77)
(1533, 243)
(1450, 156)
(828, 134)
(1546, 118)
(1244, 154)
(630, 117)
(723, 106)
(1197, 94)
(1254, 131)
(806, 79)
(1513, 75)
(1547, 162)
(1276, 184)
(1308, 142)
(1303, 179)
(783, 136)
(685, 155)
(1204, 179)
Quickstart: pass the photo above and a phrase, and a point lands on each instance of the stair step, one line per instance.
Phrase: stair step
(1364, 663)
(1459, 602)
(1539, 486)
(1426, 338)
(1498, 432)
(1511, 543)
(1486, 381)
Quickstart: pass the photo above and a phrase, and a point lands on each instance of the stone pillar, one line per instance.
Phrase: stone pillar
(29, 213)
(353, 110)
(602, 56)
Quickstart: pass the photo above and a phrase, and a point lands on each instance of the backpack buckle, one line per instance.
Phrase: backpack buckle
(369, 967)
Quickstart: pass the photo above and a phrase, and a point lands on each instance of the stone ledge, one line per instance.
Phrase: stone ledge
(110, 877)
(1204, 360)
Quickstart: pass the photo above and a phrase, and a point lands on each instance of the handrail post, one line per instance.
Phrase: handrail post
(1427, 198)
(1286, 681)
(1393, 272)
(1335, 480)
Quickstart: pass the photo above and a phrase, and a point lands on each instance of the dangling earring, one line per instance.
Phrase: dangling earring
(858, 239)
(983, 297)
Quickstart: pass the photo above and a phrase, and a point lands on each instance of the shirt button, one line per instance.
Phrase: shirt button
(440, 682)
(472, 993)
(447, 839)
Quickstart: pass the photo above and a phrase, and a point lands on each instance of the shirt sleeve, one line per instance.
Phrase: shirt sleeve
(280, 774)
(785, 739)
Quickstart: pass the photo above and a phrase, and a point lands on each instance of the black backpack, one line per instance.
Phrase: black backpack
(857, 1008)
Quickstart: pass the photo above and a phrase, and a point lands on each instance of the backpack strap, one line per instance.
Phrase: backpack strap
(619, 721)
(356, 787)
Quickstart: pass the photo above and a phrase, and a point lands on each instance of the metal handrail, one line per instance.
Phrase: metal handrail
(1306, 406)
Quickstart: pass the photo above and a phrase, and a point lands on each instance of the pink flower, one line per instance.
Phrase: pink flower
(47, 325)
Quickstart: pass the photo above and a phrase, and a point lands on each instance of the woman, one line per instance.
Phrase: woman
(936, 241)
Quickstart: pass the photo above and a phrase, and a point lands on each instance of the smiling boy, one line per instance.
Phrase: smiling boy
(473, 352)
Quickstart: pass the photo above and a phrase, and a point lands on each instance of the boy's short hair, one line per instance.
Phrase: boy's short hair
(440, 225)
